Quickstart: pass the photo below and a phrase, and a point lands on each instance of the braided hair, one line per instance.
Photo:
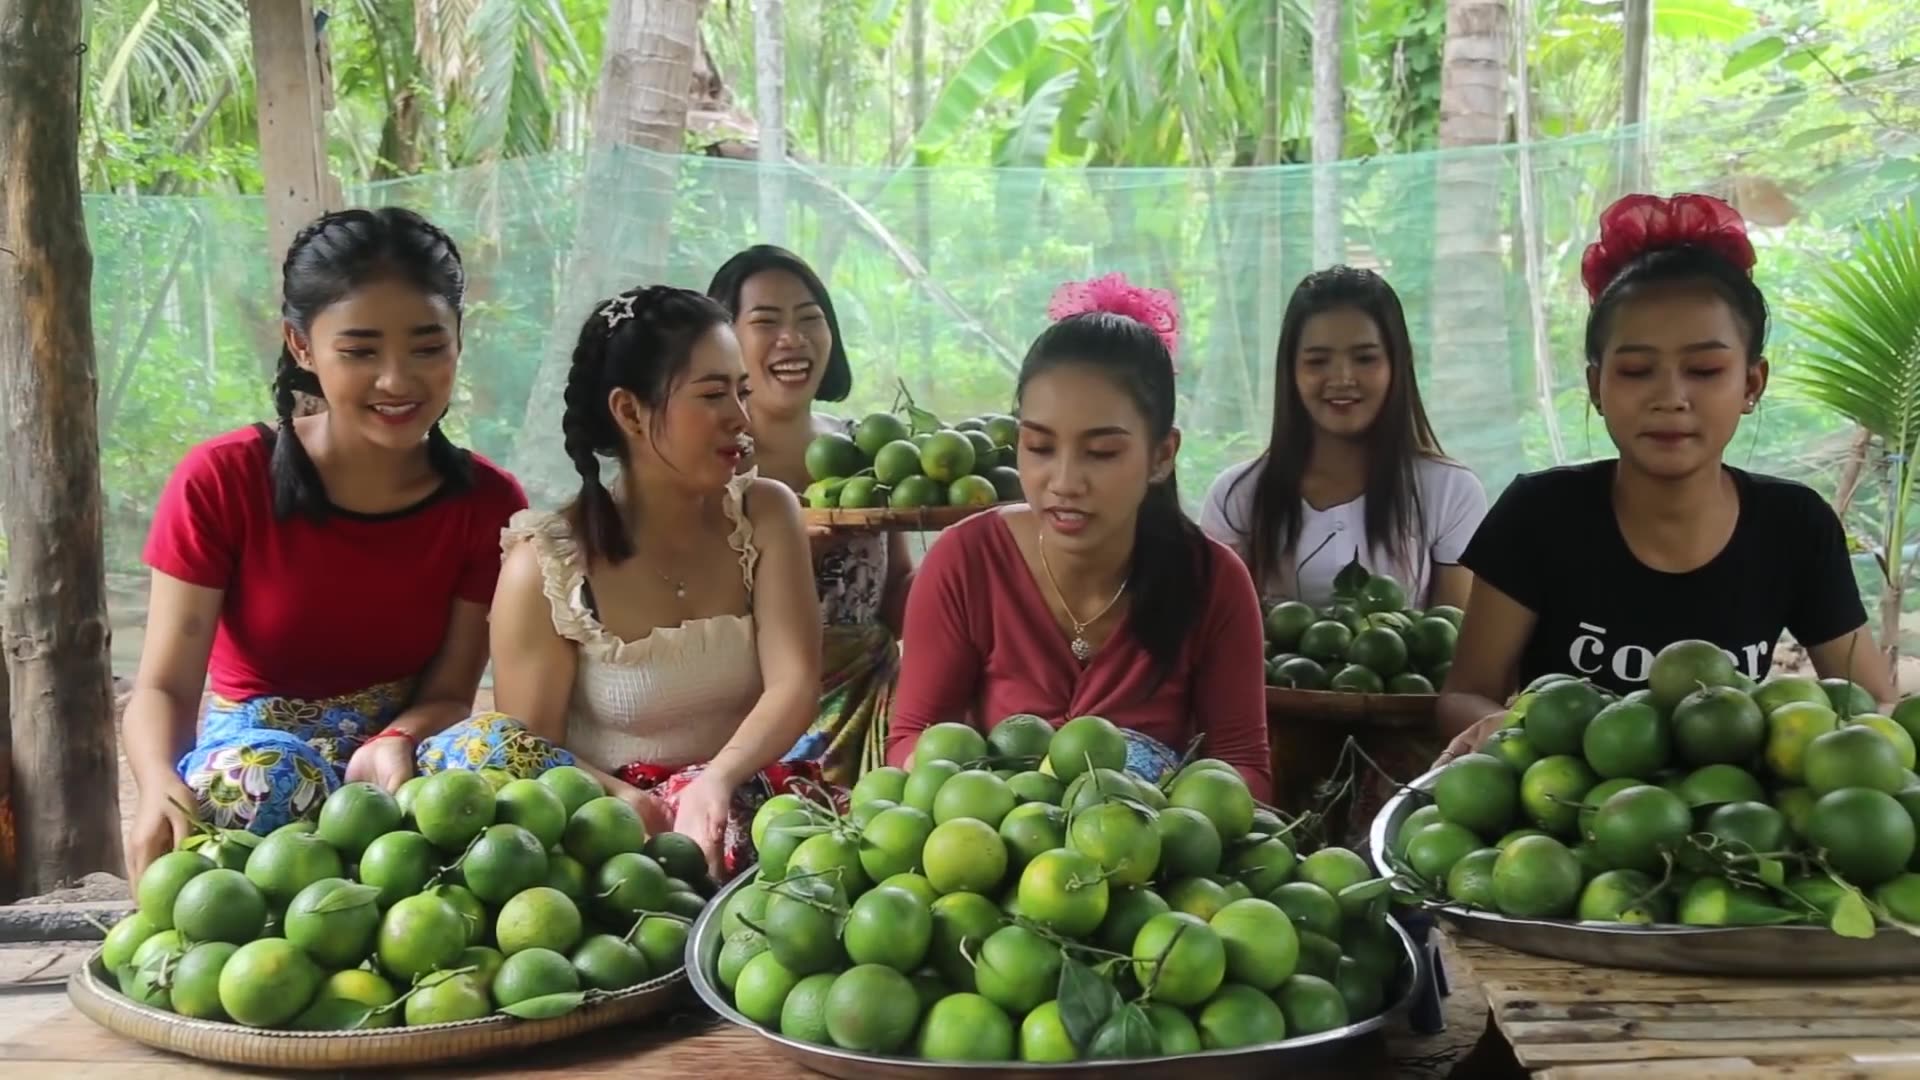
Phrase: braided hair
(639, 341)
(328, 259)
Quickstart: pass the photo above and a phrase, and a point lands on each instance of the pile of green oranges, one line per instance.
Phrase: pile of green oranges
(1702, 800)
(1367, 641)
(464, 894)
(884, 464)
(1019, 896)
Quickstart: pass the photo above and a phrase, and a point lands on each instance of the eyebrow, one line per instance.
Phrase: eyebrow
(1356, 347)
(1709, 345)
(776, 309)
(716, 377)
(366, 332)
(1091, 433)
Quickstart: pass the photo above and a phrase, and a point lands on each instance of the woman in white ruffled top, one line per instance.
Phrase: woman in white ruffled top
(665, 632)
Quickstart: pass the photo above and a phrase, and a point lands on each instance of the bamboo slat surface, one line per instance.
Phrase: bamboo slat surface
(1569, 1022)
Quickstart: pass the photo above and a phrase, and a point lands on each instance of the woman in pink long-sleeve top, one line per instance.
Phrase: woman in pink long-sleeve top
(1098, 596)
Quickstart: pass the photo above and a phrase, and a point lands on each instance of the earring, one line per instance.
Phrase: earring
(1750, 405)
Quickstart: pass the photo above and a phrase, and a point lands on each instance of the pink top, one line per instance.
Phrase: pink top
(981, 645)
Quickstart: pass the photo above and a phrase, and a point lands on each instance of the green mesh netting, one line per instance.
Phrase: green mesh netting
(942, 276)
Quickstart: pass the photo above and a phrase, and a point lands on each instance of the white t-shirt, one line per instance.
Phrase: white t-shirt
(1452, 502)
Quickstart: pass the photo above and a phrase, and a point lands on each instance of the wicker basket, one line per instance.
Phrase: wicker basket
(885, 519)
(93, 992)
(1350, 709)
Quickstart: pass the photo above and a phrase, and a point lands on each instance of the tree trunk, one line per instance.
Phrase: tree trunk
(55, 635)
(1637, 34)
(1532, 243)
(1472, 373)
(646, 88)
(1329, 132)
(770, 111)
(918, 99)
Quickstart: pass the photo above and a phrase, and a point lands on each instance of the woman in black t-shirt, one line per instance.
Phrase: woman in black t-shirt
(1591, 569)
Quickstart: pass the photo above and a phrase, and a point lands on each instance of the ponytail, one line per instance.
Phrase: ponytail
(1172, 574)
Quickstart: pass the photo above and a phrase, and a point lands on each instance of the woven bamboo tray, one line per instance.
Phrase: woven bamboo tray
(1336, 706)
(885, 519)
(94, 994)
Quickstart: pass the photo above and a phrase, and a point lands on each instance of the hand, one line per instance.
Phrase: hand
(704, 806)
(385, 763)
(159, 826)
(1469, 740)
(652, 809)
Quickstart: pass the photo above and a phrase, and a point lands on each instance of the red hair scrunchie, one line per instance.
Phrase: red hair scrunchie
(1638, 224)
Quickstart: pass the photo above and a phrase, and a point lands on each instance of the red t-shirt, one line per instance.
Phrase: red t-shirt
(981, 645)
(315, 610)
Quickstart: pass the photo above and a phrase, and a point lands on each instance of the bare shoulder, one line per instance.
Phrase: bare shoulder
(771, 503)
(520, 573)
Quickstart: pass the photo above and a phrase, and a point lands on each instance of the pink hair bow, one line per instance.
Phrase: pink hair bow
(1116, 295)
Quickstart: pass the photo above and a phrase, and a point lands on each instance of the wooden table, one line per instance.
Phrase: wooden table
(1565, 1021)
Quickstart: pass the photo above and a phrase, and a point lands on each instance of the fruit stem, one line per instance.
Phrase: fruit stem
(1153, 980)
(419, 984)
(645, 915)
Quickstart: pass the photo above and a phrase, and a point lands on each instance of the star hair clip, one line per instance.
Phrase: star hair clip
(617, 310)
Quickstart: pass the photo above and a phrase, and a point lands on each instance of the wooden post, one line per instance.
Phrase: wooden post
(55, 633)
(292, 95)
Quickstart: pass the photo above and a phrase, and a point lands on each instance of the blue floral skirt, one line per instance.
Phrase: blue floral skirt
(1149, 758)
(268, 761)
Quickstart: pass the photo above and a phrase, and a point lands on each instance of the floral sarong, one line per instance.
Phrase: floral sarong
(261, 763)
(790, 776)
(859, 664)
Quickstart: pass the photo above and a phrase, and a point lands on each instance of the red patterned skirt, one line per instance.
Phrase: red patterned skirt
(802, 778)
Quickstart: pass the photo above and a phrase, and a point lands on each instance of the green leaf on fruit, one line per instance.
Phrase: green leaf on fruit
(1350, 580)
(345, 898)
(1773, 872)
(1851, 918)
(1086, 1002)
(1126, 1034)
(546, 1006)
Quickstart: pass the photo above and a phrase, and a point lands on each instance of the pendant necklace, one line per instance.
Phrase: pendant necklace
(679, 586)
(1082, 648)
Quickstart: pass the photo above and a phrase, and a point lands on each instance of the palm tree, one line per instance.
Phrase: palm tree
(1865, 365)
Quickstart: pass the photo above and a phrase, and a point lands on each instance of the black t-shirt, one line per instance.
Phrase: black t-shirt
(1552, 543)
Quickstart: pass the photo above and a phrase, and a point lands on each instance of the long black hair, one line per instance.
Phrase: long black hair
(732, 276)
(1685, 265)
(328, 259)
(640, 341)
(1172, 569)
(1399, 438)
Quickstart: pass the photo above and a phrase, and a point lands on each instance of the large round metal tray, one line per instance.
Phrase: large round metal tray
(703, 955)
(1694, 950)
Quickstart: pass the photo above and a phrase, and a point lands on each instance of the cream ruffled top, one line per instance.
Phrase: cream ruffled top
(673, 697)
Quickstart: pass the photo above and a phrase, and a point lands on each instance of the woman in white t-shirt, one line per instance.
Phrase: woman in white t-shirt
(1353, 468)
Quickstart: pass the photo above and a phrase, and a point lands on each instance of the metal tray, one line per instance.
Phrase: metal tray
(1694, 950)
(703, 954)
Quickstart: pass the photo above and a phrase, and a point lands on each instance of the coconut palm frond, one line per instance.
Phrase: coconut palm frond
(1865, 328)
(173, 55)
(527, 55)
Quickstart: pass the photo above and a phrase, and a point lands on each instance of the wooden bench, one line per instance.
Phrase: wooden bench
(1566, 1021)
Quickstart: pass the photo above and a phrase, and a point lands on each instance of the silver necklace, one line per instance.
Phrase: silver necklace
(1082, 648)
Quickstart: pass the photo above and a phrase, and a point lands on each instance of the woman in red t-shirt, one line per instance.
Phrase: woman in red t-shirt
(1098, 596)
(330, 577)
